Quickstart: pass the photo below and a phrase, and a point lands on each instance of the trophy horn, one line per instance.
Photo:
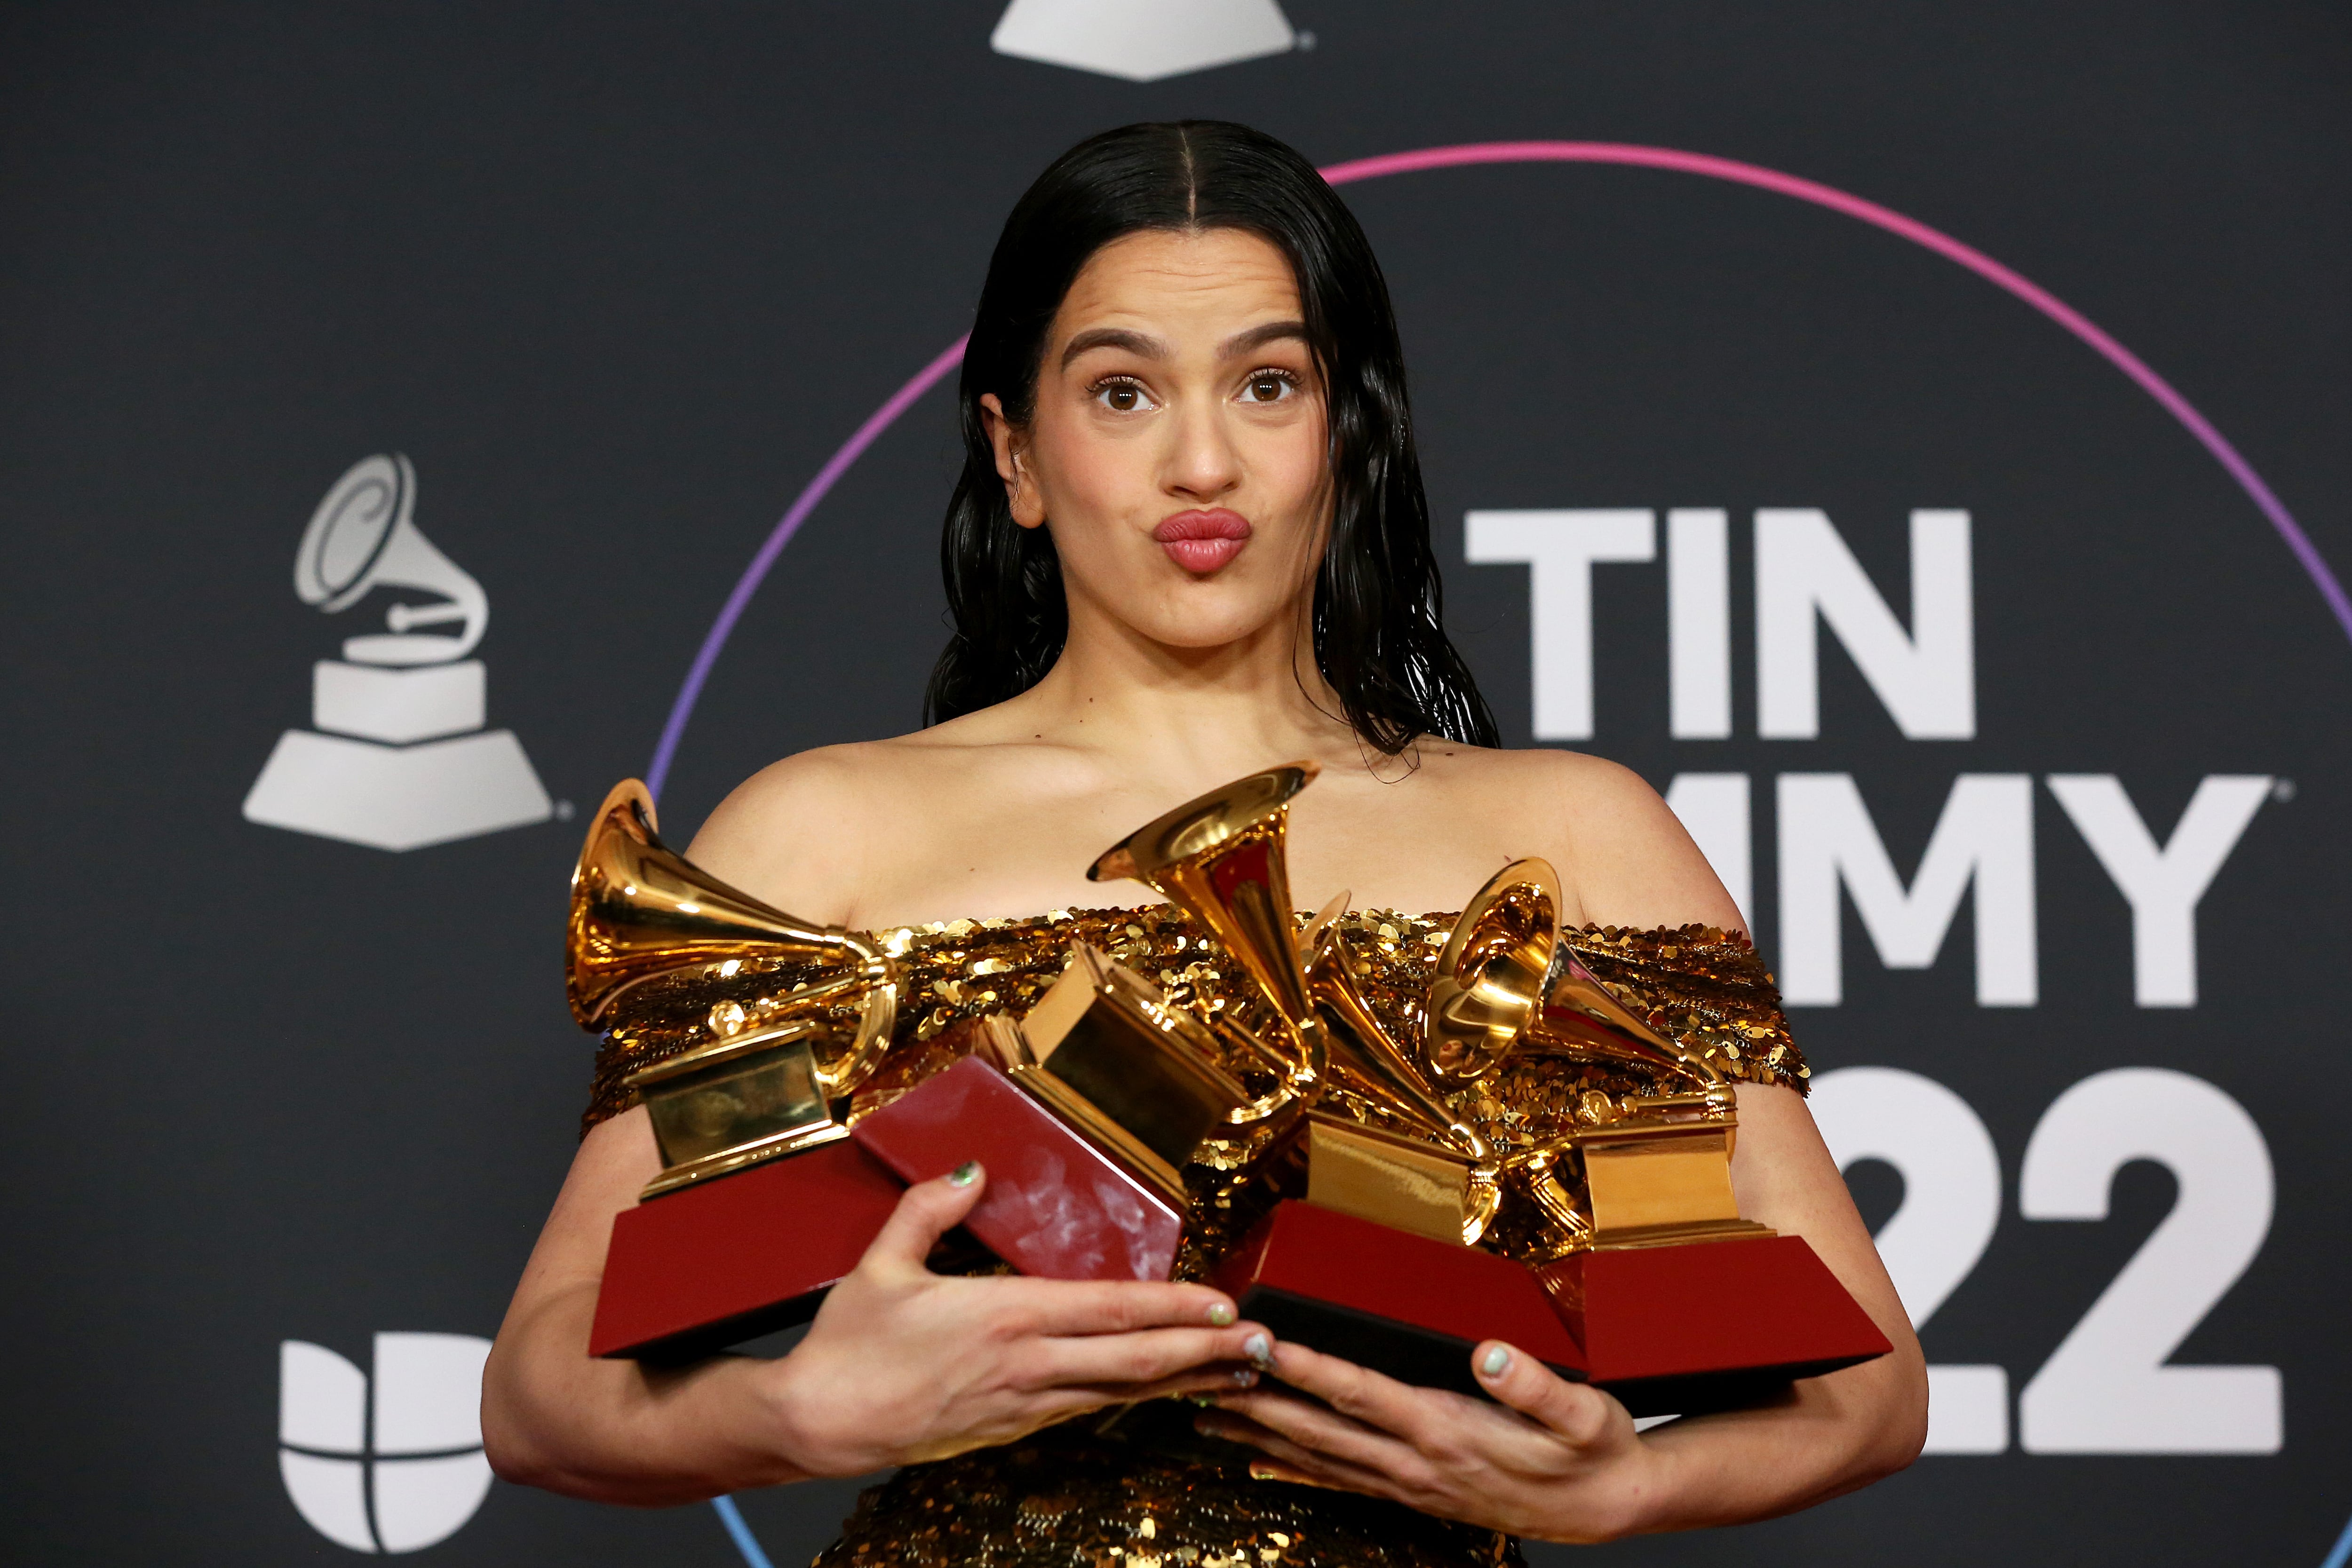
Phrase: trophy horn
(1220, 858)
(640, 910)
(1652, 1168)
(1361, 1048)
(1508, 982)
(1370, 1061)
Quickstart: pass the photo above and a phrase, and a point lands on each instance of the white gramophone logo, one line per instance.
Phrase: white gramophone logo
(399, 758)
(393, 1467)
(1143, 40)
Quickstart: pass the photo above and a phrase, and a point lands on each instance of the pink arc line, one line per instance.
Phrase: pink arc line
(1609, 152)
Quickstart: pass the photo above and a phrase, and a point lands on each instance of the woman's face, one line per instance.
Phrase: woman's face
(1177, 450)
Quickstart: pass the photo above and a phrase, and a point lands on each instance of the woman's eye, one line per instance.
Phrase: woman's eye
(1122, 397)
(1266, 389)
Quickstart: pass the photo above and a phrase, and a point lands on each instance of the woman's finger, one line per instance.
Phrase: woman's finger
(1268, 1470)
(1148, 1356)
(1286, 1427)
(1576, 1413)
(1328, 1475)
(927, 1211)
(1112, 1306)
(1356, 1391)
(1200, 1388)
(1286, 1460)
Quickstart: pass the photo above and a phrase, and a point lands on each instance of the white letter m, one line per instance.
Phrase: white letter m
(1828, 841)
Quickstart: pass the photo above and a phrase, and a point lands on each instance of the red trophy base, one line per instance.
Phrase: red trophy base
(711, 1265)
(1056, 1207)
(1401, 1304)
(707, 1266)
(1707, 1325)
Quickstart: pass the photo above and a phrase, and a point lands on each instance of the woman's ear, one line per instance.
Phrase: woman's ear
(1021, 492)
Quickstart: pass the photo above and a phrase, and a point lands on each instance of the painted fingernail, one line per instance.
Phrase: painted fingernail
(1495, 1362)
(965, 1174)
(1260, 1353)
(1262, 1473)
(1220, 1315)
(1244, 1378)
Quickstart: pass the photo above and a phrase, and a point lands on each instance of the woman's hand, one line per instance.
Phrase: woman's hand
(1553, 1459)
(903, 1364)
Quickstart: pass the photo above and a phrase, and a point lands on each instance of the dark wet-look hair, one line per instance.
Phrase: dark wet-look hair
(1378, 637)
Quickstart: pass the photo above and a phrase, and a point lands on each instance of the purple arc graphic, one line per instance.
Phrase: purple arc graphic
(1623, 156)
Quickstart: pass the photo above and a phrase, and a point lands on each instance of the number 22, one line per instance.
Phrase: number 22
(2106, 1389)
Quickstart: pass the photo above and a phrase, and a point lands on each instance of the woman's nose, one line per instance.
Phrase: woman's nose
(1204, 463)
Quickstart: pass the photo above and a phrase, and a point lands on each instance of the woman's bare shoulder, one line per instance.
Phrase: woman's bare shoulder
(1626, 858)
(801, 831)
(1538, 780)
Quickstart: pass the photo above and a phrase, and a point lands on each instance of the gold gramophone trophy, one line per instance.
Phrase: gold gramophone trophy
(1084, 1113)
(642, 912)
(1372, 1261)
(694, 1267)
(1677, 1302)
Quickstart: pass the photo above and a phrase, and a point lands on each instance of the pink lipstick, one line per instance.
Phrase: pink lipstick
(1202, 542)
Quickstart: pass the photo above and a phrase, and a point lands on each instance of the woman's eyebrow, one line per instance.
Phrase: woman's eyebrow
(1258, 338)
(1135, 343)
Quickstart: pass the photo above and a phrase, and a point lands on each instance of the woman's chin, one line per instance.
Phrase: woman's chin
(1209, 639)
(1199, 621)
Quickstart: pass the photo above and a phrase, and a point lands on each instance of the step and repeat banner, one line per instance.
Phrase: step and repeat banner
(1912, 439)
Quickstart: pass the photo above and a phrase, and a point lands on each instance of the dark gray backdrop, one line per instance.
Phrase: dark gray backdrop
(619, 279)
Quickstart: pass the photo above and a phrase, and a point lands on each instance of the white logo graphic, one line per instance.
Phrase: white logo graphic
(1142, 41)
(395, 1473)
(405, 761)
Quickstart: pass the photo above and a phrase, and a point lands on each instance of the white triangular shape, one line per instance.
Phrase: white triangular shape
(1142, 41)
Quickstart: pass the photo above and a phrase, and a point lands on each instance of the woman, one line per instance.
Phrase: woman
(1188, 542)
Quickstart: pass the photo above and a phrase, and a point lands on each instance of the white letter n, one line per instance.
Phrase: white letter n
(1926, 679)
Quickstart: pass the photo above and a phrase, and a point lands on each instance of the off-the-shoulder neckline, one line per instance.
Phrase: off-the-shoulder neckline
(1115, 911)
(1696, 933)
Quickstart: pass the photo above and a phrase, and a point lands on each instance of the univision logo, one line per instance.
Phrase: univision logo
(392, 1463)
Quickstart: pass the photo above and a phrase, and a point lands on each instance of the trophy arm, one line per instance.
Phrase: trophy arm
(877, 974)
(1484, 1201)
(1538, 1165)
(1298, 1089)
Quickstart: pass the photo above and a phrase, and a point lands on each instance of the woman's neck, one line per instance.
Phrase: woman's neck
(1223, 710)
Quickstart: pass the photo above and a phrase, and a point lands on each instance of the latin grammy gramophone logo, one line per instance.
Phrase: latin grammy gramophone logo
(1143, 40)
(399, 758)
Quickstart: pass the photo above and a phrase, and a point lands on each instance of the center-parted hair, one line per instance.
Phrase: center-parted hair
(1380, 639)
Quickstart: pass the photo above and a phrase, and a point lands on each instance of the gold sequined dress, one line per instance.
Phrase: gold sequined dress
(1143, 1491)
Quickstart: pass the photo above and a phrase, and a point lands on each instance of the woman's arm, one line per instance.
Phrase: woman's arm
(554, 1416)
(1560, 1461)
(900, 1363)
(1832, 1434)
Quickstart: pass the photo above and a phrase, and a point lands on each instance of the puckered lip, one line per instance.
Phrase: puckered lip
(1203, 541)
(1214, 523)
